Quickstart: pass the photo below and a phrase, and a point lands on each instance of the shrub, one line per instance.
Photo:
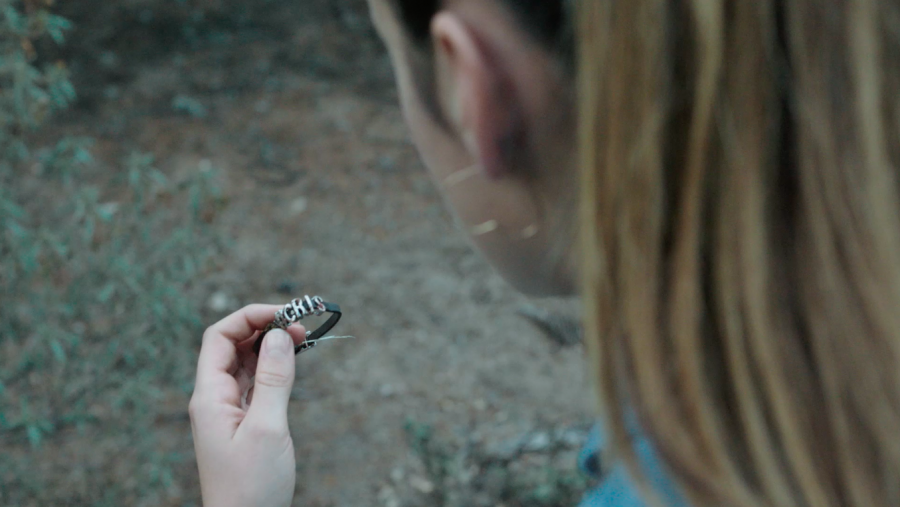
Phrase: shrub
(96, 285)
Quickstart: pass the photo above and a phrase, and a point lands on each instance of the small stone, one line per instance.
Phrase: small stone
(388, 497)
(299, 206)
(504, 450)
(386, 391)
(221, 302)
(573, 438)
(421, 485)
(465, 477)
(108, 210)
(537, 442)
(479, 405)
(398, 474)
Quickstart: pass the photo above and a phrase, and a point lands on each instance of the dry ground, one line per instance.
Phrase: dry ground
(325, 195)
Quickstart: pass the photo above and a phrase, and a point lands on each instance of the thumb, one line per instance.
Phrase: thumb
(274, 380)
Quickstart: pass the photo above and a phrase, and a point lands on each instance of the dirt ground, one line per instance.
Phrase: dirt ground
(325, 195)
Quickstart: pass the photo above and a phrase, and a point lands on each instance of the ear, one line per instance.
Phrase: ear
(474, 92)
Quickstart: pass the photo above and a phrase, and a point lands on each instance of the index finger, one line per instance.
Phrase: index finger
(240, 325)
(218, 352)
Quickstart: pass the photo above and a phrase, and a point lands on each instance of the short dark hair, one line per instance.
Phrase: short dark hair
(545, 20)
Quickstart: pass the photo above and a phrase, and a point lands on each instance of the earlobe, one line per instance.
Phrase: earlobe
(474, 93)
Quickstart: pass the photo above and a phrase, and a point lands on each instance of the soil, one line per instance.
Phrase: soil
(326, 195)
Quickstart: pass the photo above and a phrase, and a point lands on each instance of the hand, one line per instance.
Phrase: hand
(245, 454)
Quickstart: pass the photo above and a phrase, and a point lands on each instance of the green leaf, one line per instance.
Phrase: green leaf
(59, 353)
(14, 20)
(190, 106)
(12, 209)
(55, 26)
(17, 230)
(34, 435)
(89, 228)
(58, 246)
(106, 292)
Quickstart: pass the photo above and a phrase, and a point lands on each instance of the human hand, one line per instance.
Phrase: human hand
(245, 454)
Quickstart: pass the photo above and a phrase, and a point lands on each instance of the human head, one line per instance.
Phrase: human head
(739, 213)
(489, 101)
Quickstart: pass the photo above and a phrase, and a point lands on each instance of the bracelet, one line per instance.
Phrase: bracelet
(294, 312)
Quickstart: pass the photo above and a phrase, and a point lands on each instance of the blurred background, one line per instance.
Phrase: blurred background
(165, 162)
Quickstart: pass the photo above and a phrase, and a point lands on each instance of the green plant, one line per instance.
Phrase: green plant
(522, 479)
(96, 288)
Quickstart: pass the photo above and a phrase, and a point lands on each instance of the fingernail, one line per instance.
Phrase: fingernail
(278, 342)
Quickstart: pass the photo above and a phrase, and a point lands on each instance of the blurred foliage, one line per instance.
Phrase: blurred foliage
(114, 42)
(99, 320)
(95, 282)
(467, 476)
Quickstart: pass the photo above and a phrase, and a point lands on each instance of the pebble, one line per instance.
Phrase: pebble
(388, 497)
(503, 450)
(537, 442)
(573, 438)
(221, 302)
(299, 206)
(398, 474)
(421, 484)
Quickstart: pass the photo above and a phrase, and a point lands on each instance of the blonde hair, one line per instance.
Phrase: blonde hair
(740, 229)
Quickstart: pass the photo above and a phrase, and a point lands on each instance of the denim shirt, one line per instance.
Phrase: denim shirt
(618, 488)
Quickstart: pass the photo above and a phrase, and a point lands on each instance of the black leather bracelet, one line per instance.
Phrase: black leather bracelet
(311, 336)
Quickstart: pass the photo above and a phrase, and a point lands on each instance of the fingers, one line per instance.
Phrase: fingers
(274, 382)
(218, 355)
(297, 332)
(241, 324)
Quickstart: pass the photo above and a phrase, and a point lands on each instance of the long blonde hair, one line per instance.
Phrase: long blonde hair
(740, 228)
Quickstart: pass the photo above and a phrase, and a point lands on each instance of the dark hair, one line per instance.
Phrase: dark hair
(543, 19)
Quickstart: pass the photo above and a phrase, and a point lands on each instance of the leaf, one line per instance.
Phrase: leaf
(106, 292)
(55, 26)
(107, 211)
(89, 228)
(189, 105)
(34, 435)
(59, 353)
(18, 232)
(12, 208)
(14, 20)
(58, 246)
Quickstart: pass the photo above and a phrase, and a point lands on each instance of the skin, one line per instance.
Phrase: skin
(493, 84)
